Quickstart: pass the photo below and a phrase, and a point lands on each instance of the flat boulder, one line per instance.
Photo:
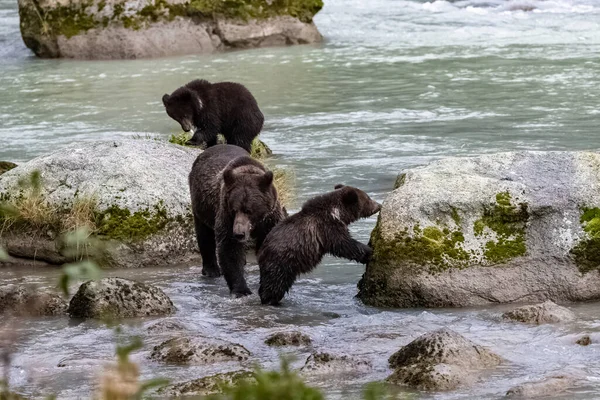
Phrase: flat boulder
(198, 351)
(207, 385)
(27, 301)
(132, 194)
(321, 363)
(545, 313)
(499, 228)
(289, 338)
(119, 298)
(440, 360)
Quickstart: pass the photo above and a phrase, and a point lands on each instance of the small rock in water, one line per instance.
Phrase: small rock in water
(293, 338)
(198, 351)
(548, 387)
(165, 326)
(207, 385)
(6, 166)
(440, 360)
(584, 341)
(545, 313)
(25, 301)
(332, 364)
(119, 298)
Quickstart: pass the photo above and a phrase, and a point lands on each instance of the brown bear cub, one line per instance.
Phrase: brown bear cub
(298, 244)
(207, 109)
(233, 202)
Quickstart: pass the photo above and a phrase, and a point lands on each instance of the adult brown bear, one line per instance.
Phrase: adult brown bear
(233, 201)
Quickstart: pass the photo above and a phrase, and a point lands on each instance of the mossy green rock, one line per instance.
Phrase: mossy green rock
(499, 228)
(140, 194)
(105, 29)
(208, 385)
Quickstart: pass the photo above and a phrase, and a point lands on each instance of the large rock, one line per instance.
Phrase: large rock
(500, 228)
(105, 29)
(207, 385)
(440, 360)
(27, 301)
(132, 193)
(119, 298)
(545, 313)
(198, 351)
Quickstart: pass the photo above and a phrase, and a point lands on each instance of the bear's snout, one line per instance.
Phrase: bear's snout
(241, 227)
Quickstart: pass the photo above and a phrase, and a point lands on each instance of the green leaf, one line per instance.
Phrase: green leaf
(3, 254)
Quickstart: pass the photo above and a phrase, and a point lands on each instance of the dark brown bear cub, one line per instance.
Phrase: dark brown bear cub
(233, 201)
(298, 244)
(207, 109)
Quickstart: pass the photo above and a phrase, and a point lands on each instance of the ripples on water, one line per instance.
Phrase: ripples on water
(396, 84)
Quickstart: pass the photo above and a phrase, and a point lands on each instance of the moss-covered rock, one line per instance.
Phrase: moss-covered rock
(131, 194)
(505, 227)
(290, 338)
(129, 29)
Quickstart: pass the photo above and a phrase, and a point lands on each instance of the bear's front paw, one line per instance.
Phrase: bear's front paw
(211, 273)
(367, 255)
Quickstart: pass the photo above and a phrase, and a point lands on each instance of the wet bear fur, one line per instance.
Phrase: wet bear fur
(297, 245)
(234, 203)
(207, 109)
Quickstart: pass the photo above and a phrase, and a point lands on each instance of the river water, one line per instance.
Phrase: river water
(396, 84)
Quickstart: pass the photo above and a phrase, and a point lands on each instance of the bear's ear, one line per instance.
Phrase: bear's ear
(228, 177)
(165, 99)
(266, 180)
(350, 197)
(338, 186)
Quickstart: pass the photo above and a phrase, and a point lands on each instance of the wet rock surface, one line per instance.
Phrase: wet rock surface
(321, 363)
(207, 385)
(290, 338)
(28, 301)
(198, 351)
(119, 298)
(440, 360)
(545, 313)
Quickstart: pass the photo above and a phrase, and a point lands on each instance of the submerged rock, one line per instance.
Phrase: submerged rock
(198, 351)
(584, 341)
(545, 313)
(499, 228)
(132, 193)
(292, 338)
(28, 301)
(545, 388)
(207, 385)
(166, 326)
(334, 364)
(440, 360)
(119, 298)
(122, 29)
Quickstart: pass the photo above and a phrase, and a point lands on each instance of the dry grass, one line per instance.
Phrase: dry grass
(284, 182)
(119, 382)
(81, 215)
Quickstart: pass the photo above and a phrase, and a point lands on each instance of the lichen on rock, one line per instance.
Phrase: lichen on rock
(322, 363)
(198, 351)
(440, 360)
(119, 298)
(290, 338)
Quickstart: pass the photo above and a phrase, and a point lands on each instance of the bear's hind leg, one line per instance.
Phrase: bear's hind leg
(206, 243)
(240, 137)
